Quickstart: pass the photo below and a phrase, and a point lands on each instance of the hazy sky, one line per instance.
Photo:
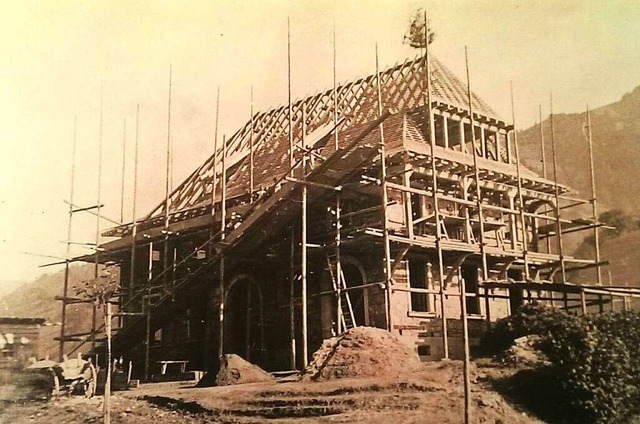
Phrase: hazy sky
(55, 56)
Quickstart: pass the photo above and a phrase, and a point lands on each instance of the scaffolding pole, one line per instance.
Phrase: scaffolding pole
(124, 165)
(223, 227)
(466, 355)
(98, 210)
(292, 311)
(134, 222)
(523, 223)
(251, 152)
(290, 107)
(167, 193)
(146, 305)
(385, 201)
(65, 289)
(557, 195)
(594, 205)
(214, 175)
(303, 256)
(291, 174)
(338, 197)
(434, 186)
(476, 172)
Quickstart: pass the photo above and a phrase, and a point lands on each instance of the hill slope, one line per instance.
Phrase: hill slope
(616, 144)
(37, 299)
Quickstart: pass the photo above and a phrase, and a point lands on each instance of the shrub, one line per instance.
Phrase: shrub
(594, 360)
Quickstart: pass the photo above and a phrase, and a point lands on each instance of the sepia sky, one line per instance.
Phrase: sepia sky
(56, 55)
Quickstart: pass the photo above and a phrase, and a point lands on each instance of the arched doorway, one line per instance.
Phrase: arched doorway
(244, 319)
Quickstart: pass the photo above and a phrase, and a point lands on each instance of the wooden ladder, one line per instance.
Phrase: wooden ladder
(346, 308)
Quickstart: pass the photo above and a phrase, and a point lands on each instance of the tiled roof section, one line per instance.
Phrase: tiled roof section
(402, 88)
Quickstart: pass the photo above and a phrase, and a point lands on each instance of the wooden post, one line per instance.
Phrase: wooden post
(523, 223)
(98, 213)
(214, 176)
(594, 205)
(124, 163)
(557, 198)
(338, 265)
(251, 164)
(485, 273)
(385, 201)
(467, 355)
(65, 289)
(291, 173)
(445, 130)
(107, 386)
(292, 302)
(338, 198)
(147, 309)
(223, 220)
(134, 222)
(303, 256)
(542, 152)
(335, 91)
(434, 188)
(167, 200)
(290, 114)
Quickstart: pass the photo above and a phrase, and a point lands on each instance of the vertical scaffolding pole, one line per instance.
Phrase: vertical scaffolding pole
(165, 260)
(542, 151)
(335, 90)
(208, 350)
(214, 166)
(525, 244)
(291, 173)
(338, 198)
(147, 310)
(134, 222)
(303, 256)
(434, 188)
(290, 114)
(65, 289)
(544, 168)
(476, 172)
(292, 280)
(467, 354)
(98, 217)
(338, 265)
(594, 205)
(251, 164)
(557, 197)
(385, 201)
(124, 164)
(223, 229)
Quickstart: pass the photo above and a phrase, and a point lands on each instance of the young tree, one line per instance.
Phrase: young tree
(415, 36)
(101, 290)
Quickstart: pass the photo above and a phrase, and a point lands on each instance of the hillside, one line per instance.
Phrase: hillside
(37, 299)
(616, 143)
(623, 254)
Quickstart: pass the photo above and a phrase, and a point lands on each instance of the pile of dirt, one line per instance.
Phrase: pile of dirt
(361, 352)
(235, 370)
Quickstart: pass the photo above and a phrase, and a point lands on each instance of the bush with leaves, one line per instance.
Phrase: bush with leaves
(595, 368)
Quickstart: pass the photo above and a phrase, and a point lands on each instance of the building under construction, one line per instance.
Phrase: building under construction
(397, 200)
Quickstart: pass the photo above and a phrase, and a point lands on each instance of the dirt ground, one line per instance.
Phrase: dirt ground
(432, 394)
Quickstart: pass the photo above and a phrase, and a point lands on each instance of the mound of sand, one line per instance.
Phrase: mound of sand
(361, 352)
(235, 370)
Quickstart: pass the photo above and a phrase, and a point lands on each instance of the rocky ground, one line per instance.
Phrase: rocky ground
(431, 394)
